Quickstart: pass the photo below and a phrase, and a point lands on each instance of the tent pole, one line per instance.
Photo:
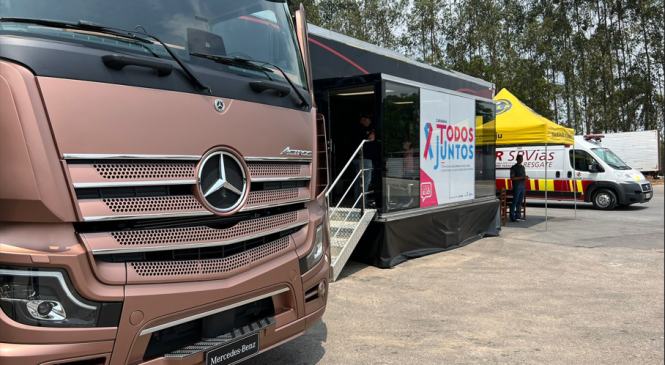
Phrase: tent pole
(574, 178)
(547, 188)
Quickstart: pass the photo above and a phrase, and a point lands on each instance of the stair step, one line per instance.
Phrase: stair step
(339, 242)
(343, 245)
(344, 225)
(335, 251)
(343, 213)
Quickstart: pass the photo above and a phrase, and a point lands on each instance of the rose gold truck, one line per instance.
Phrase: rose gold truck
(162, 171)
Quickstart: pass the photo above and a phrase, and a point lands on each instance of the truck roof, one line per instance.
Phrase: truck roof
(367, 58)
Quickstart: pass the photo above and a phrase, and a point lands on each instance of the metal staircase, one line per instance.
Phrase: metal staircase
(347, 225)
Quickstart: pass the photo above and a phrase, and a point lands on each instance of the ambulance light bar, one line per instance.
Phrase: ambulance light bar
(597, 137)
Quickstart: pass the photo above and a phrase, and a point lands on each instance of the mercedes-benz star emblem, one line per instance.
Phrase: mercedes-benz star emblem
(219, 105)
(222, 182)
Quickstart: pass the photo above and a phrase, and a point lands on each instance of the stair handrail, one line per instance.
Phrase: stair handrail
(361, 147)
(339, 229)
(347, 193)
(361, 174)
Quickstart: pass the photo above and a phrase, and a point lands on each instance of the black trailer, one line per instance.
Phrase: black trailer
(353, 79)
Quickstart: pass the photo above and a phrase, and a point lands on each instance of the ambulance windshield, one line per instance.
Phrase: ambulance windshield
(611, 159)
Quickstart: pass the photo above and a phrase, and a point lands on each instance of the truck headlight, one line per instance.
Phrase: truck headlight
(45, 298)
(314, 256)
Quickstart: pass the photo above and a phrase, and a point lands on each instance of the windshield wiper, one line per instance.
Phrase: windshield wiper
(90, 26)
(259, 66)
(230, 61)
(616, 167)
(81, 25)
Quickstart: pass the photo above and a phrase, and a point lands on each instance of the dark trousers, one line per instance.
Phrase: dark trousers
(516, 206)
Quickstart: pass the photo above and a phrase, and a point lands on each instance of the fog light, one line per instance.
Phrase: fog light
(46, 310)
(322, 289)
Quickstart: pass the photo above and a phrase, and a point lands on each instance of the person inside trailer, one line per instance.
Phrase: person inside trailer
(409, 171)
(364, 131)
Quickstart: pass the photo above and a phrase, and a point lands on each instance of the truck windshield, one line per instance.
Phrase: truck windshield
(251, 29)
(611, 159)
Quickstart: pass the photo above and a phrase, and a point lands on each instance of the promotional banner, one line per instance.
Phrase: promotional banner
(448, 146)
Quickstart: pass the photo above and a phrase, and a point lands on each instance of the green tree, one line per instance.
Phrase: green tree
(311, 9)
(598, 65)
(425, 23)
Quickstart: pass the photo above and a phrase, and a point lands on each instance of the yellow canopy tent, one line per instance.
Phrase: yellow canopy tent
(516, 125)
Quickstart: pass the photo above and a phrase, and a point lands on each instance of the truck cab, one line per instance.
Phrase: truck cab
(162, 181)
(612, 182)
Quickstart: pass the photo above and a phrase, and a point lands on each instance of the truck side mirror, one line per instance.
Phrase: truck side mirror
(594, 168)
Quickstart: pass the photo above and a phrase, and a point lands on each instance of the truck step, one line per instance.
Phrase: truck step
(346, 241)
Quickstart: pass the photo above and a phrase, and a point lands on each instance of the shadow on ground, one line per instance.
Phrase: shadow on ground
(304, 350)
(534, 220)
(351, 268)
(582, 206)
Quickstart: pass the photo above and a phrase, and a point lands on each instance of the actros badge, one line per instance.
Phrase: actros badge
(289, 152)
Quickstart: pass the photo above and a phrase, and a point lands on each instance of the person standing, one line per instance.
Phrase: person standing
(519, 177)
(363, 132)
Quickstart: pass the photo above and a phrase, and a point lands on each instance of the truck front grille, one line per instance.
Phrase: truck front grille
(145, 171)
(253, 249)
(153, 204)
(153, 189)
(143, 215)
(202, 234)
(277, 170)
(211, 266)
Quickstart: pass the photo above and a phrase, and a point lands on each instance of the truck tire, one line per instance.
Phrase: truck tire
(605, 199)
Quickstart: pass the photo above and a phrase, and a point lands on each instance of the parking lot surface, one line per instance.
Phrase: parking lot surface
(587, 291)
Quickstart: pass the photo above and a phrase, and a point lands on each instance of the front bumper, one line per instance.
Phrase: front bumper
(635, 193)
(101, 353)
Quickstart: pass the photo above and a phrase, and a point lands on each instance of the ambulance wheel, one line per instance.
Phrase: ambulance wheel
(604, 200)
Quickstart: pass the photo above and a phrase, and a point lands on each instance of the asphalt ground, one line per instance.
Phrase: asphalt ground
(589, 290)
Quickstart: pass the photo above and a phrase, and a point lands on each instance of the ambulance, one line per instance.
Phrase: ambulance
(587, 172)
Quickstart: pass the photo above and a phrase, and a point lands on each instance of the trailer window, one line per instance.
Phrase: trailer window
(485, 149)
(401, 147)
